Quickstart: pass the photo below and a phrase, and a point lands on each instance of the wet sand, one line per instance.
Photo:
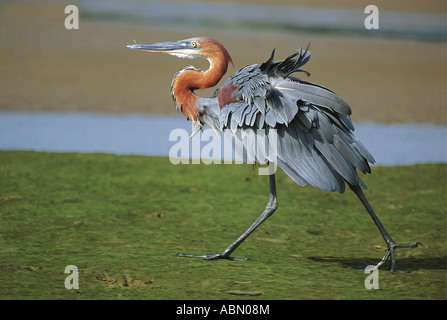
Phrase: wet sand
(45, 67)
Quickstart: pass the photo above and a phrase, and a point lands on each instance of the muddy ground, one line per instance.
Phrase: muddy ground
(44, 67)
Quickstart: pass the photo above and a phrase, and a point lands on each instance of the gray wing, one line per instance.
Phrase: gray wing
(304, 127)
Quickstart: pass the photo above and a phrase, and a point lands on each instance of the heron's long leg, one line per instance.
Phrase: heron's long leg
(225, 254)
(391, 244)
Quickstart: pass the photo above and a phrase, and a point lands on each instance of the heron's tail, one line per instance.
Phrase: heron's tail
(285, 68)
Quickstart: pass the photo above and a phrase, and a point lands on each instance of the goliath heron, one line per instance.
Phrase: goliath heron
(315, 142)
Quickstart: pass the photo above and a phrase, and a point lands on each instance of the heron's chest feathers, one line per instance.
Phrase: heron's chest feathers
(186, 103)
(226, 95)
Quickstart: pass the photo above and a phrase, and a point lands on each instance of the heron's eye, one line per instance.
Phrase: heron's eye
(194, 44)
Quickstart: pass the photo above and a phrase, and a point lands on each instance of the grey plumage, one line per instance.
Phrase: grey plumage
(316, 144)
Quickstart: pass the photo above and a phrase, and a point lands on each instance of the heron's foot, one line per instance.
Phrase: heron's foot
(215, 256)
(389, 253)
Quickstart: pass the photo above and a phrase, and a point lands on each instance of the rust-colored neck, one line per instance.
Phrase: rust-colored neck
(189, 79)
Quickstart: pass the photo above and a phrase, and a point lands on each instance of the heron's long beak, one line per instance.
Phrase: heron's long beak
(160, 46)
(182, 48)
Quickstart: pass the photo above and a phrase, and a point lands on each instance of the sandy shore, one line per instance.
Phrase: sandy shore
(45, 67)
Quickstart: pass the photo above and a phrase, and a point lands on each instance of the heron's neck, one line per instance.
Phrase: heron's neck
(189, 79)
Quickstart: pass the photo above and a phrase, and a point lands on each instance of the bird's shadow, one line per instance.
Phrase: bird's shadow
(402, 264)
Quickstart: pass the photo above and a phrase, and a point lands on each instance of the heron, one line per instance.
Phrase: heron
(314, 143)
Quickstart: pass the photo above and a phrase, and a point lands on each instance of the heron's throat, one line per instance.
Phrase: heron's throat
(189, 79)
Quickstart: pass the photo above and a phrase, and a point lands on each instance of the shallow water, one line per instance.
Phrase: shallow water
(150, 135)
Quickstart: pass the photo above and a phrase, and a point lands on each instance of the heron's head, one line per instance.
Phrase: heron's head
(190, 48)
